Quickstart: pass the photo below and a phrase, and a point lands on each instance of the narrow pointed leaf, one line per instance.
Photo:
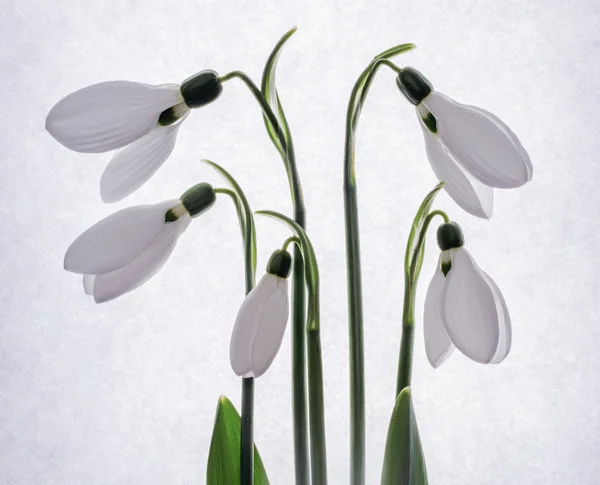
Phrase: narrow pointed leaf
(403, 463)
(394, 51)
(224, 455)
(249, 227)
(269, 91)
(361, 88)
(311, 271)
(417, 224)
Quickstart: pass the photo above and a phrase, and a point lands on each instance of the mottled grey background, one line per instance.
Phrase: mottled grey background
(125, 392)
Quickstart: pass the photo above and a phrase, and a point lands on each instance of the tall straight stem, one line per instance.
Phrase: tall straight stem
(300, 419)
(405, 359)
(302, 465)
(247, 432)
(317, 408)
(355, 332)
(245, 217)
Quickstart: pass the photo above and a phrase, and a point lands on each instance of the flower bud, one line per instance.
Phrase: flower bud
(450, 236)
(198, 199)
(280, 263)
(201, 88)
(413, 85)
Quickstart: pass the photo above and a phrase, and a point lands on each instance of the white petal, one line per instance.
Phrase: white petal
(247, 325)
(109, 115)
(437, 342)
(116, 240)
(108, 286)
(470, 312)
(470, 194)
(505, 325)
(88, 284)
(513, 137)
(271, 329)
(133, 166)
(479, 143)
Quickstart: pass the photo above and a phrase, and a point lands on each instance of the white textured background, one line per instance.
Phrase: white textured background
(125, 392)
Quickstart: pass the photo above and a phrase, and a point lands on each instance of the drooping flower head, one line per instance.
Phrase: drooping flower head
(124, 250)
(470, 149)
(262, 319)
(464, 307)
(140, 119)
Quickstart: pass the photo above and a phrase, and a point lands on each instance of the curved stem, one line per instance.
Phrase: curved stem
(289, 241)
(318, 449)
(249, 272)
(408, 313)
(286, 150)
(246, 221)
(355, 314)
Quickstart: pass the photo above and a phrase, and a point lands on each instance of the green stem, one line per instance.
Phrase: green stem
(405, 359)
(247, 432)
(355, 313)
(317, 408)
(298, 286)
(246, 221)
(318, 451)
(289, 241)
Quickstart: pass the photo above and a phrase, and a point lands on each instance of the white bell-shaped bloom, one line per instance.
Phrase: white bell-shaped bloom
(121, 115)
(139, 119)
(259, 327)
(124, 250)
(464, 308)
(472, 151)
(469, 149)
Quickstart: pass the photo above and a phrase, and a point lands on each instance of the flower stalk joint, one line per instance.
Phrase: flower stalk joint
(201, 88)
(413, 85)
(198, 199)
(450, 236)
(280, 263)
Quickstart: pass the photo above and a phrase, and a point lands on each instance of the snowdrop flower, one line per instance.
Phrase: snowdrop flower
(468, 148)
(261, 321)
(124, 250)
(141, 119)
(464, 308)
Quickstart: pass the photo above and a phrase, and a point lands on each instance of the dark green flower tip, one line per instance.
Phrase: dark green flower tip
(172, 115)
(446, 267)
(413, 85)
(171, 215)
(428, 119)
(201, 88)
(450, 236)
(198, 199)
(280, 263)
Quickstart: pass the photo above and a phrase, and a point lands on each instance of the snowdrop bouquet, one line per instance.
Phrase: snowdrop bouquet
(471, 151)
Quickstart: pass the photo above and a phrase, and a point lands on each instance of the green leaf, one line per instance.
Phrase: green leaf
(269, 91)
(403, 463)
(224, 455)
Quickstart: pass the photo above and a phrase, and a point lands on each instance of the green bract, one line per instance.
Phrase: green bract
(201, 88)
(224, 456)
(413, 85)
(198, 199)
(280, 263)
(450, 236)
(269, 92)
(403, 463)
